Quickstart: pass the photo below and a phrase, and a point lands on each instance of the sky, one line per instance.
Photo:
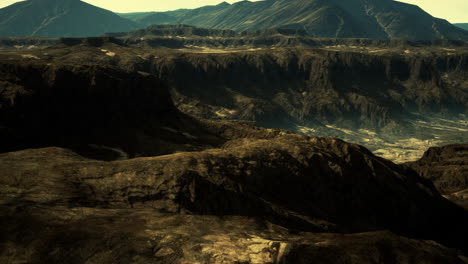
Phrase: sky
(455, 11)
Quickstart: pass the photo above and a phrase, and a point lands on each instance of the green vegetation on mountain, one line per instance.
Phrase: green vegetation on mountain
(376, 19)
(59, 18)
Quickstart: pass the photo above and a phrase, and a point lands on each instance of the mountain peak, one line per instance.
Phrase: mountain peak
(375, 19)
(224, 4)
(60, 18)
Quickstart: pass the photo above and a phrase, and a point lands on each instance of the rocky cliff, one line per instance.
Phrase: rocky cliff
(462, 25)
(280, 88)
(396, 97)
(447, 167)
(97, 110)
(117, 173)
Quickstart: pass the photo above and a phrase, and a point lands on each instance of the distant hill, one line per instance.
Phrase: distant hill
(150, 18)
(378, 19)
(462, 25)
(375, 19)
(59, 18)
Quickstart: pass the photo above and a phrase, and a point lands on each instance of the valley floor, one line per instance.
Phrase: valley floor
(407, 147)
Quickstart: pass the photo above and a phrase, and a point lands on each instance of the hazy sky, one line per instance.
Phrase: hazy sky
(455, 11)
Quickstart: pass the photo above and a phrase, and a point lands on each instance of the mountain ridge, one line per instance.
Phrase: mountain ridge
(342, 19)
(330, 19)
(462, 25)
(58, 18)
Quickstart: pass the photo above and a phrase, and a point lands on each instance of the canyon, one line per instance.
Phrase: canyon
(176, 144)
(397, 98)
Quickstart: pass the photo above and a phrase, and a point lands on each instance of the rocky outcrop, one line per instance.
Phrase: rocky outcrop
(119, 236)
(306, 184)
(175, 30)
(462, 25)
(447, 167)
(395, 97)
(284, 87)
(205, 191)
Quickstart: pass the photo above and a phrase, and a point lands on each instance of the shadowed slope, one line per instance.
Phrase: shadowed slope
(59, 18)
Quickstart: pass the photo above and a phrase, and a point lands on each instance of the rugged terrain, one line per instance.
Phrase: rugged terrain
(139, 146)
(182, 190)
(447, 167)
(375, 19)
(413, 94)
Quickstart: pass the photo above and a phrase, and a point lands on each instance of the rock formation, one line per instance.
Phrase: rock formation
(99, 166)
(266, 195)
(447, 167)
(397, 98)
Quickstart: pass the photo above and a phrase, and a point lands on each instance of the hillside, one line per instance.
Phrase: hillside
(183, 190)
(59, 18)
(375, 19)
(399, 99)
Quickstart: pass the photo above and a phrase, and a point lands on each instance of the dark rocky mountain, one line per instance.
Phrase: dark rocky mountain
(224, 191)
(377, 19)
(462, 25)
(59, 18)
(86, 107)
(447, 167)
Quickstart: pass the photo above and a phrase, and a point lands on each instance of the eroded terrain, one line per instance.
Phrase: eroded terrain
(119, 152)
(413, 101)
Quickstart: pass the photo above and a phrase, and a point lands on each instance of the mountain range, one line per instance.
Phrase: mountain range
(376, 19)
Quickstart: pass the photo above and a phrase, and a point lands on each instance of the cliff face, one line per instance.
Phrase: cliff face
(397, 98)
(92, 109)
(299, 86)
(205, 191)
(180, 36)
(299, 183)
(447, 167)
